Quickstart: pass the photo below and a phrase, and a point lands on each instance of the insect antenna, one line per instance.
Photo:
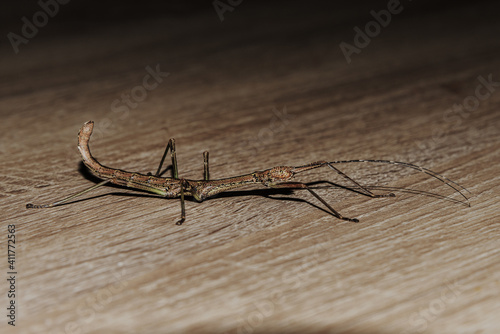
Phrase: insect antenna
(386, 188)
(455, 186)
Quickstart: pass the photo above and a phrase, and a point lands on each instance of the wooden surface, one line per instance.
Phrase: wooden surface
(267, 86)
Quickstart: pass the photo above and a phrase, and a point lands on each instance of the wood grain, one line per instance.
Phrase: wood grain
(267, 86)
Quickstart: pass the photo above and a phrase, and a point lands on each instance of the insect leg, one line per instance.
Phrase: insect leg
(171, 147)
(33, 206)
(183, 208)
(365, 190)
(304, 186)
(206, 174)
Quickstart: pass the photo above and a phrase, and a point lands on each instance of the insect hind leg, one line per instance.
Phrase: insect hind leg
(171, 147)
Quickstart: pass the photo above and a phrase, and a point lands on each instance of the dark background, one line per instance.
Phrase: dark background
(77, 18)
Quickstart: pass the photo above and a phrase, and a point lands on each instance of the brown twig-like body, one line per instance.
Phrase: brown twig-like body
(173, 187)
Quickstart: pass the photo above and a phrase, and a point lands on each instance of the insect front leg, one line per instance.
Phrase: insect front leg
(300, 185)
(365, 191)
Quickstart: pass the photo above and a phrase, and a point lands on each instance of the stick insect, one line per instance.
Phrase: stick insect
(175, 187)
